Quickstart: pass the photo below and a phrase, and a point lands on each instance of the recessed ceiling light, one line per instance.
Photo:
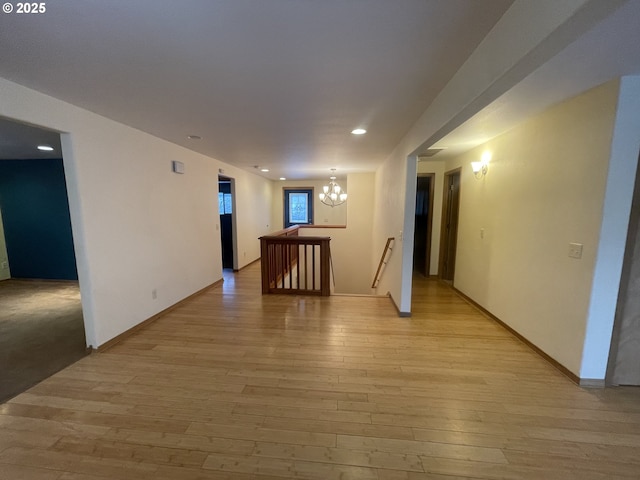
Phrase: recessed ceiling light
(359, 131)
(194, 137)
(264, 170)
(282, 178)
(45, 148)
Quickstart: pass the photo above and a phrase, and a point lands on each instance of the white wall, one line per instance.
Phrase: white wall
(528, 35)
(613, 233)
(351, 247)
(322, 214)
(544, 189)
(5, 272)
(137, 226)
(437, 168)
(389, 221)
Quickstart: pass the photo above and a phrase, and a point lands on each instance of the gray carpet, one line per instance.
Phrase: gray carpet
(41, 332)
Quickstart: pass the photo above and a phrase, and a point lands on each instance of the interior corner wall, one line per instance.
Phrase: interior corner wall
(437, 168)
(5, 270)
(620, 180)
(351, 247)
(137, 226)
(323, 215)
(544, 188)
(389, 221)
(37, 226)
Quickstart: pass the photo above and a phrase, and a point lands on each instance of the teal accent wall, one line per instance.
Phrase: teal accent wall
(37, 225)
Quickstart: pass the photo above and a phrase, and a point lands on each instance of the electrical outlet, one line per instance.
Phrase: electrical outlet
(4, 265)
(154, 294)
(575, 250)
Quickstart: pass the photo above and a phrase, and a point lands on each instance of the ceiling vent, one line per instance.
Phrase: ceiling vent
(429, 153)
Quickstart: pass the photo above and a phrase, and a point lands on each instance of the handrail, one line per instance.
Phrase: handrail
(294, 264)
(387, 248)
(285, 232)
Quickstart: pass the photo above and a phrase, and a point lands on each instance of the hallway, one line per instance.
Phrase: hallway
(41, 331)
(235, 385)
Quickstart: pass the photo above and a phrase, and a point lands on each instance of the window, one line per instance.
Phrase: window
(298, 206)
(224, 203)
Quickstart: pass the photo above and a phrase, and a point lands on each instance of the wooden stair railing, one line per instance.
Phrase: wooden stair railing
(388, 248)
(294, 264)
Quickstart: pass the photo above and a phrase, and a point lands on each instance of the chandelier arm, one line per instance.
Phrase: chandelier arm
(333, 194)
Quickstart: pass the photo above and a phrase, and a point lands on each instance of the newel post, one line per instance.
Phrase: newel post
(264, 264)
(325, 267)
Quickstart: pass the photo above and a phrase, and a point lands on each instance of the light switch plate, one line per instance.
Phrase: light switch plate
(177, 167)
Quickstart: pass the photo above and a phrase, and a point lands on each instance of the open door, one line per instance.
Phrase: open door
(225, 209)
(423, 224)
(42, 327)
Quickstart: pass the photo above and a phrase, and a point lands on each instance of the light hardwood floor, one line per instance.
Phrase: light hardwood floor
(235, 385)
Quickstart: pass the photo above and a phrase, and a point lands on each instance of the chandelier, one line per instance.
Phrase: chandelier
(333, 194)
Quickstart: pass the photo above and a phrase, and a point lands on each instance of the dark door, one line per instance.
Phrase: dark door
(225, 207)
(422, 233)
(450, 210)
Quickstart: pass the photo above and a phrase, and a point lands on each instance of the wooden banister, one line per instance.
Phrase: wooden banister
(388, 248)
(294, 264)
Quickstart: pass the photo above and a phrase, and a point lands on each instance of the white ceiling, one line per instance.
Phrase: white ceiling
(610, 50)
(276, 83)
(281, 83)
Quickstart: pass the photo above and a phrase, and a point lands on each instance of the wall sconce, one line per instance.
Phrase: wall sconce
(480, 168)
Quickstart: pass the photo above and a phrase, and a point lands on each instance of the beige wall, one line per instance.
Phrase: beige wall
(544, 189)
(351, 246)
(137, 226)
(389, 221)
(499, 62)
(322, 214)
(253, 196)
(4, 258)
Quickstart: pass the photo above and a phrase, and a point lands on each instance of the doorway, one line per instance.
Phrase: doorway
(226, 211)
(423, 224)
(41, 320)
(449, 235)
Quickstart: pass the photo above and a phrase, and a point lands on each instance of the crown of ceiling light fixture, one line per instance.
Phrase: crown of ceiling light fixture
(332, 194)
